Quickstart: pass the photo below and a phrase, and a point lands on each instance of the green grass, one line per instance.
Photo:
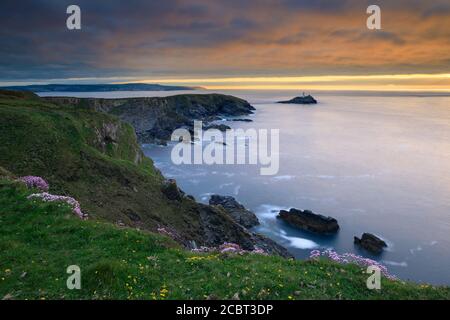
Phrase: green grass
(39, 241)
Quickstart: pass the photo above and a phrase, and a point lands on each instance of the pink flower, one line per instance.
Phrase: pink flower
(347, 258)
(35, 182)
(47, 197)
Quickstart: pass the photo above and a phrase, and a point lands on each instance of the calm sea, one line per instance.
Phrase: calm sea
(377, 163)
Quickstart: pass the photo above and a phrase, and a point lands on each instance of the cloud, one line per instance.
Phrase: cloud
(439, 9)
(212, 37)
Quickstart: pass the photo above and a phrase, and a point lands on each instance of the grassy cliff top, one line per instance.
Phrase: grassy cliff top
(40, 240)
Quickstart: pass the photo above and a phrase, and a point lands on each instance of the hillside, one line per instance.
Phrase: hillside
(95, 158)
(40, 240)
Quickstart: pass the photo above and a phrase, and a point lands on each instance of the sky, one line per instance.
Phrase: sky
(238, 44)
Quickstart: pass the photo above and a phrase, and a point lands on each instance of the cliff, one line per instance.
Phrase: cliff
(95, 158)
(154, 119)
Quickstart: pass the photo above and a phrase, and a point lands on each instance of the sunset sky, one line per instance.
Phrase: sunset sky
(255, 44)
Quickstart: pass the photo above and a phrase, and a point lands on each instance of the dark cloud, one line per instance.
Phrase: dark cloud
(440, 9)
(141, 37)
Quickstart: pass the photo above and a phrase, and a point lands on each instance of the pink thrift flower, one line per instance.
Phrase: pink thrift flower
(347, 258)
(47, 197)
(35, 182)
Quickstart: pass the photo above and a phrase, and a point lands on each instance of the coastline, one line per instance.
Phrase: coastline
(133, 157)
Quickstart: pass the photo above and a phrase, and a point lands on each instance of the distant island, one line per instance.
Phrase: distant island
(98, 87)
(301, 100)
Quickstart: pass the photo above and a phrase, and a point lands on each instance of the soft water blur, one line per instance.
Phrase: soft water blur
(376, 163)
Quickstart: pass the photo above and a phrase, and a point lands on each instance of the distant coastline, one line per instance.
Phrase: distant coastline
(98, 87)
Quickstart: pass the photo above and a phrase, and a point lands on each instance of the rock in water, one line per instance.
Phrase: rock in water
(371, 243)
(237, 211)
(301, 100)
(308, 220)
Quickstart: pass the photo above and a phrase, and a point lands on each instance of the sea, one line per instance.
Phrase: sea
(378, 162)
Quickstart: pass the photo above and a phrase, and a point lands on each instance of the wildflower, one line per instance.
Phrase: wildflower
(348, 258)
(47, 197)
(35, 182)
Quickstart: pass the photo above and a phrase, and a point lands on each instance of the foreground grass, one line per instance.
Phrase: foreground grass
(39, 241)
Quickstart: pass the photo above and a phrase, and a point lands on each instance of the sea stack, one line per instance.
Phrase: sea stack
(309, 99)
(371, 243)
(308, 220)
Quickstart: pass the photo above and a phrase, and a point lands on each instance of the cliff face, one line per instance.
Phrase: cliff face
(96, 159)
(154, 119)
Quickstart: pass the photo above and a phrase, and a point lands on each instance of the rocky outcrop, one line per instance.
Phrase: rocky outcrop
(301, 100)
(154, 119)
(371, 243)
(220, 127)
(236, 210)
(218, 228)
(269, 246)
(308, 220)
(170, 189)
(241, 120)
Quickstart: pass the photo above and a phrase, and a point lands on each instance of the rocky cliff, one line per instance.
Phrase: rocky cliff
(154, 119)
(96, 159)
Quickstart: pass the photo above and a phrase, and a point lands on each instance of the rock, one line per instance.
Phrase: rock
(308, 220)
(241, 120)
(301, 100)
(220, 127)
(371, 243)
(236, 210)
(132, 215)
(219, 227)
(171, 190)
(270, 246)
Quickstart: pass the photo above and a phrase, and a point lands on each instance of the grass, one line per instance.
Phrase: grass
(40, 240)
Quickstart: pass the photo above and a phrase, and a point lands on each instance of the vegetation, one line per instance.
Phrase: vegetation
(40, 240)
